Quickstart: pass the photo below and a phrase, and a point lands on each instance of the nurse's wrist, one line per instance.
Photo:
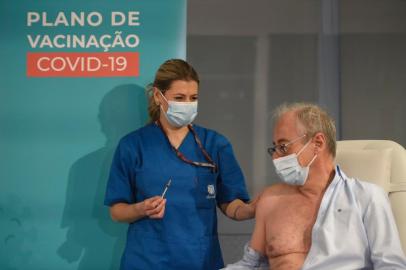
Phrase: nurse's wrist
(233, 208)
(235, 214)
(139, 210)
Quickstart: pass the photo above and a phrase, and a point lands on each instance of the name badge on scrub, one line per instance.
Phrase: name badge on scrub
(211, 192)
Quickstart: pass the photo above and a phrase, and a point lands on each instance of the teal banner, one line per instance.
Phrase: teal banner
(73, 76)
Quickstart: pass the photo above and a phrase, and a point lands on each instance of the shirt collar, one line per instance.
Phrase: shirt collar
(340, 174)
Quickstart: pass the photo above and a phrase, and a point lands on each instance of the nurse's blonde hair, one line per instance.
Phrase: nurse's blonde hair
(170, 71)
(314, 119)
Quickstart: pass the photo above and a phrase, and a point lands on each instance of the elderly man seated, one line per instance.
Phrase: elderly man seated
(318, 218)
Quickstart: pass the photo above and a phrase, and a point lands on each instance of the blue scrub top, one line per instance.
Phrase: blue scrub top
(186, 237)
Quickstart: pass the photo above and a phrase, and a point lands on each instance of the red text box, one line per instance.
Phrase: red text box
(66, 64)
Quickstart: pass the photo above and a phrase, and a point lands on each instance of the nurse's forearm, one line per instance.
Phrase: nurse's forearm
(124, 212)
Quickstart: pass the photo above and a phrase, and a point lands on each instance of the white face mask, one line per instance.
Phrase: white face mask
(289, 170)
(180, 114)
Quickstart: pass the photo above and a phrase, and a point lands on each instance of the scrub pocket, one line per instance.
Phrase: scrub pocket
(206, 190)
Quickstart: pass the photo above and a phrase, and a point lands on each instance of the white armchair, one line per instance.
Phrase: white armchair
(383, 163)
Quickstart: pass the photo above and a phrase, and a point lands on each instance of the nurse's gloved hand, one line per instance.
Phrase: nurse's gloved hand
(154, 207)
(238, 210)
(249, 209)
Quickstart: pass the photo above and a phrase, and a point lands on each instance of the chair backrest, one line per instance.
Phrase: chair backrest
(381, 162)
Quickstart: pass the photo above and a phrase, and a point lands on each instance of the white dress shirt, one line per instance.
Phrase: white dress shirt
(355, 229)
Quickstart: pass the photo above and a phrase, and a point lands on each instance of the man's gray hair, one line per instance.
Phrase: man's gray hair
(313, 118)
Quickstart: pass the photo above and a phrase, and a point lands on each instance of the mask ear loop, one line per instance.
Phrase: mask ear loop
(311, 161)
(301, 150)
(160, 105)
(162, 95)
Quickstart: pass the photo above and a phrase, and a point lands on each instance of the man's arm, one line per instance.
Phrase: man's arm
(383, 236)
(254, 252)
(258, 239)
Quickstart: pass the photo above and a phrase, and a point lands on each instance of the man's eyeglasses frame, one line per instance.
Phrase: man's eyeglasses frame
(282, 149)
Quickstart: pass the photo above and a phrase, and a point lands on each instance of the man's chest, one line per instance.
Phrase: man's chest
(289, 225)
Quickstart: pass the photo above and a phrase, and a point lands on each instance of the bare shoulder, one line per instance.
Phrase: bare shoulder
(276, 190)
(271, 195)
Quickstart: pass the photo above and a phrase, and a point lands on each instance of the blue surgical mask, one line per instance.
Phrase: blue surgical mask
(289, 170)
(180, 114)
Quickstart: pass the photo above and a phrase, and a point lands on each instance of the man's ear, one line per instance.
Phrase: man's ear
(320, 142)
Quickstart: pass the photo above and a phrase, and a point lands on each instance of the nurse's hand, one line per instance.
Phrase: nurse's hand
(250, 207)
(247, 211)
(154, 207)
(238, 210)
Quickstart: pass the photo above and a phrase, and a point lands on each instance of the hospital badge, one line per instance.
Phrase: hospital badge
(211, 192)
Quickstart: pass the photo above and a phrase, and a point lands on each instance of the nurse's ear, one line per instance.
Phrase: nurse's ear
(157, 96)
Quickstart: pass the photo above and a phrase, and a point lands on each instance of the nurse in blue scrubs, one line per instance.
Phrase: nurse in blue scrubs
(168, 178)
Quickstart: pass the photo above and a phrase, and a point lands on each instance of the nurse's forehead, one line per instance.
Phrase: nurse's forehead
(179, 86)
